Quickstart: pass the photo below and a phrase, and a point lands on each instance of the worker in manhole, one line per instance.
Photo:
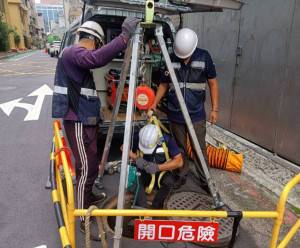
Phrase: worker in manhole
(193, 68)
(150, 156)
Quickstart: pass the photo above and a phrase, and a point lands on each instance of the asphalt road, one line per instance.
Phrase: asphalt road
(27, 217)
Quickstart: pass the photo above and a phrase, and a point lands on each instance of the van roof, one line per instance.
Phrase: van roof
(171, 7)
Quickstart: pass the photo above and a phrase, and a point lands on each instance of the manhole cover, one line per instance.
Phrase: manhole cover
(5, 88)
(191, 200)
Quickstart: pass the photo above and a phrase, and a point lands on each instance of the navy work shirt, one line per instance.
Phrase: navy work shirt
(210, 73)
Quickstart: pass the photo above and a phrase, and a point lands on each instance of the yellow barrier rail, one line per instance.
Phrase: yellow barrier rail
(66, 212)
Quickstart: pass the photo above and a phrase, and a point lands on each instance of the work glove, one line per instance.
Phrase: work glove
(151, 168)
(128, 27)
(140, 163)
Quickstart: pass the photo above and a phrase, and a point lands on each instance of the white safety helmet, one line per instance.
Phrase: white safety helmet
(148, 138)
(92, 28)
(185, 43)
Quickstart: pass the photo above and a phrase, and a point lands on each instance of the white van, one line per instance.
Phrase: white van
(110, 15)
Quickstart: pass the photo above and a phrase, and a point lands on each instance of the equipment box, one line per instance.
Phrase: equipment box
(107, 81)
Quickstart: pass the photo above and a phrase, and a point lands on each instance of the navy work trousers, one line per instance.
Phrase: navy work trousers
(179, 131)
(166, 182)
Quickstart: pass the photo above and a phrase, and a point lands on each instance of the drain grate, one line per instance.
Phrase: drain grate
(191, 200)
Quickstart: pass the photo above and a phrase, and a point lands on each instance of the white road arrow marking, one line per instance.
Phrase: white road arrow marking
(9, 106)
(33, 109)
(36, 110)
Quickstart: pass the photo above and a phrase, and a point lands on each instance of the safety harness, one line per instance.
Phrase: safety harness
(153, 119)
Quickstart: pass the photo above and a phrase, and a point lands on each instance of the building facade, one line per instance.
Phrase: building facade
(73, 9)
(50, 11)
(257, 58)
(41, 29)
(32, 23)
(15, 14)
(21, 16)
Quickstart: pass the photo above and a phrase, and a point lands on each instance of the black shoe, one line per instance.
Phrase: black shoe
(179, 182)
(97, 198)
(94, 232)
(99, 182)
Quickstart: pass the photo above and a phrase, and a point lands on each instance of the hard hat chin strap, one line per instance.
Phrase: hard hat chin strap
(86, 36)
(97, 43)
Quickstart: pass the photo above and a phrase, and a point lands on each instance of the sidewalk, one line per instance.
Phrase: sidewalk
(257, 188)
(10, 53)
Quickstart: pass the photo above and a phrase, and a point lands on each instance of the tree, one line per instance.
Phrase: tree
(5, 30)
(17, 39)
(52, 38)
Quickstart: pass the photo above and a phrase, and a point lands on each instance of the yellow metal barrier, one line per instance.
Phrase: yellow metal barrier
(56, 196)
(66, 212)
(280, 210)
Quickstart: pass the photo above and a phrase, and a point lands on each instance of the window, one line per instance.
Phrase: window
(45, 14)
(55, 15)
(71, 39)
(50, 14)
(2, 6)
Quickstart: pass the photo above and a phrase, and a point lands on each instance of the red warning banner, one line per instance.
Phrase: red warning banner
(167, 230)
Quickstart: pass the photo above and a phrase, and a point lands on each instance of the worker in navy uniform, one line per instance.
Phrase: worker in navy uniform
(150, 158)
(193, 68)
(75, 99)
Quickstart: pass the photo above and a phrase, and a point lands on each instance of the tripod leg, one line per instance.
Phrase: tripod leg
(192, 133)
(113, 118)
(127, 135)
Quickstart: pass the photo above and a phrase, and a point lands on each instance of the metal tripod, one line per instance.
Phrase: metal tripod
(133, 49)
(113, 118)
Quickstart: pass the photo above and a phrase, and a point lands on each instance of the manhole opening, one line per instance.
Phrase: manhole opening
(110, 221)
(188, 200)
(127, 233)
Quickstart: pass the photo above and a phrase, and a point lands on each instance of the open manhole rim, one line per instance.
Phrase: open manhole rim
(111, 203)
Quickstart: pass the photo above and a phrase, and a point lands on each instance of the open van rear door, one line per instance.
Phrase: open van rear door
(171, 7)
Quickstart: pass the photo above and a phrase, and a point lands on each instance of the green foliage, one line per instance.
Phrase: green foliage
(52, 38)
(296, 210)
(5, 30)
(17, 38)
